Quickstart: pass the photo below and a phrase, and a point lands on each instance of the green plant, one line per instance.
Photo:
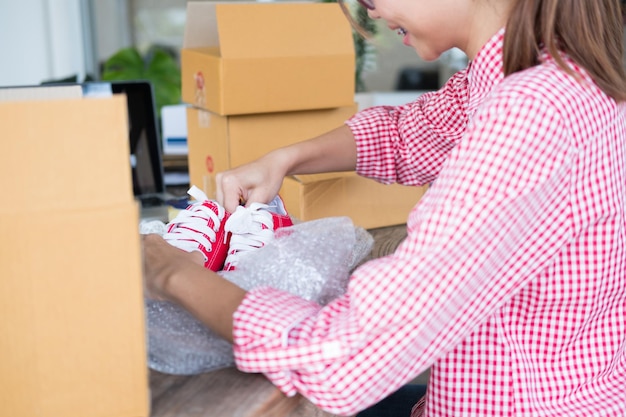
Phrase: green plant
(158, 65)
(363, 49)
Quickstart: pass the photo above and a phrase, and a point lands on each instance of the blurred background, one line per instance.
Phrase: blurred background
(52, 40)
(58, 40)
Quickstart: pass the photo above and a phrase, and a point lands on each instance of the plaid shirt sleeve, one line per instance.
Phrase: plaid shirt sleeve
(409, 144)
(502, 235)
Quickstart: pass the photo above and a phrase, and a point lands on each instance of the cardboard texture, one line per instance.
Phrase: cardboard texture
(63, 153)
(242, 58)
(369, 204)
(217, 143)
(71, 298)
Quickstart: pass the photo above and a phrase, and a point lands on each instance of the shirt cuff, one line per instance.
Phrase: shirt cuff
(375, 152)
(266, 327)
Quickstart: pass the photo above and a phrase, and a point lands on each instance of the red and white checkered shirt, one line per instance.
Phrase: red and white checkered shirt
(511, 284)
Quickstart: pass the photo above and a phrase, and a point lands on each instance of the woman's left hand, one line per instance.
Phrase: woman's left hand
(161, 262)
(171, 274)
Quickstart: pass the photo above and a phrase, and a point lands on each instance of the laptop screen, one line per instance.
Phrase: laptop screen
(145, 145)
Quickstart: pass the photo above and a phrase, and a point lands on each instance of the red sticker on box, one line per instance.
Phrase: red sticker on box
(209, 164)
(199, 93)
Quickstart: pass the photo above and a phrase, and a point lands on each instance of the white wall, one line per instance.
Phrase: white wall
(40, 40)
(111, 27)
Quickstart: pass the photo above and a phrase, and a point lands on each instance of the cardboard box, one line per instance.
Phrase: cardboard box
(217, 143)
(71, 295)
(369, 204)
(242, 58)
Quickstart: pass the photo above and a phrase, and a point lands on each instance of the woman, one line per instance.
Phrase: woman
(511, 284)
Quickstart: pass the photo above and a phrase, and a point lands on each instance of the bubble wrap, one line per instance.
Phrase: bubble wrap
(311, 259)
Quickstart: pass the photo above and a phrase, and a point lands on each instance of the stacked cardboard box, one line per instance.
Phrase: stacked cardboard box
(259, 76)
(71, 303)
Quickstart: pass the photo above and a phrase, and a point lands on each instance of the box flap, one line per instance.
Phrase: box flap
(201, 25)
(368, 203)
(259, 30)
(40, 92)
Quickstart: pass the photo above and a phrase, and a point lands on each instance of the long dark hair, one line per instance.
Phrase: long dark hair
(589, 31)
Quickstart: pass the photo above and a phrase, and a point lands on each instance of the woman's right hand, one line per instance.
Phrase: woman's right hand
(256, 182)
(260, 181)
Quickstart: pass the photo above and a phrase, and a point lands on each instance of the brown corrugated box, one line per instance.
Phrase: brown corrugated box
(294, 81)
(243, 58)
(217, 143)
(71, 302)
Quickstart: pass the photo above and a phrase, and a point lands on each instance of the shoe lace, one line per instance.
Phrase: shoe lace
(190, 227)
(251, 228)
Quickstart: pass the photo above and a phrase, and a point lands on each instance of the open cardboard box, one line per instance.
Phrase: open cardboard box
(241, 58)
(71, 301)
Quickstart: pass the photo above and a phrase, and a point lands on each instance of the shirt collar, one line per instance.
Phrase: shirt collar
(486, 70)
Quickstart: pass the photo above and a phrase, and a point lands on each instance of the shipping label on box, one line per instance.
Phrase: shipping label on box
(242, 58)
(217, 143)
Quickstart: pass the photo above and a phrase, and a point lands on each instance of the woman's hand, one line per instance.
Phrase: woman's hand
(259, 181)
(161, 262)
(255, 182)
(171, 274)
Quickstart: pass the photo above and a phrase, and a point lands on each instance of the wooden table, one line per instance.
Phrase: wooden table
(231, 393)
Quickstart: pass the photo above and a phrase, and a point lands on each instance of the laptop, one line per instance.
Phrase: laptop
(146, 161)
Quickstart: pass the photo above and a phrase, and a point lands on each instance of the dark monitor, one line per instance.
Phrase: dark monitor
(145, 144)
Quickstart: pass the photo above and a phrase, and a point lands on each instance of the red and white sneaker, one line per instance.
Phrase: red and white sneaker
(253, 227)
(200, 227)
